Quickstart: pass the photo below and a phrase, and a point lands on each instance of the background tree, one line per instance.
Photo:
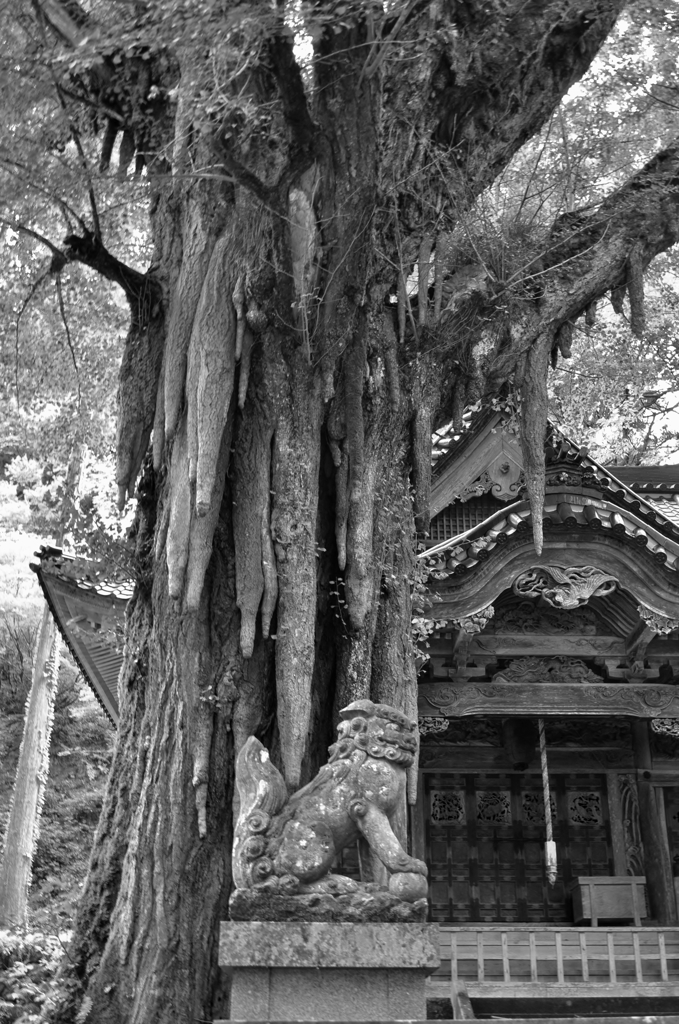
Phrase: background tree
(316, 303)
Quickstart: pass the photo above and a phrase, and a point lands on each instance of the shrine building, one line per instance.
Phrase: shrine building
(549, 710)
(548, 793)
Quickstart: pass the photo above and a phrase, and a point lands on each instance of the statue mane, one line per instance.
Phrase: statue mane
(376, 729)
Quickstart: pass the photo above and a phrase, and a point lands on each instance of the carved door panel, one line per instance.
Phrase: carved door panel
(485, 838)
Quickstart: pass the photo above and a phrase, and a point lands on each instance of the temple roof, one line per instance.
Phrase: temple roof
(590, 516)
(89, 611)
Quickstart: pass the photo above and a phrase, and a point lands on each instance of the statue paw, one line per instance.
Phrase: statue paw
(335, 885)
(408, 886)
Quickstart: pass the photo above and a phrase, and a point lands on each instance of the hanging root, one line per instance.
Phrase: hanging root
(341, 508)
(202, 741)
(354, 372)
(421, 446)
(459, 399)
(245, 361)
(534, 427)
(438, 278)
(635, 290)
(137, 399)
(252, 471)
(198, 246)
(590, 313)
(402, 300)
(270, 595)
(618, 298)
(162, 524)
(214, 333)
(191, 391)
(391, 362)
(564, 339)
(358, 580)
(159, 425)
(179, 499)
(238, 299)
(423, 279)
(203, 528)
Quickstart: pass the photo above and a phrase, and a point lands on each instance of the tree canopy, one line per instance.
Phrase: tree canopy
(362, 219)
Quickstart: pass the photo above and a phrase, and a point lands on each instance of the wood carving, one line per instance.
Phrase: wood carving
(503, 479)
(523, 699)
(528, 617)
(660, 624)
(564, 587)
(555, 671)
(477, 622)
(287, 846)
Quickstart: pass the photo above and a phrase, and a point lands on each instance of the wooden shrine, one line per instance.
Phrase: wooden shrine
(585, 639)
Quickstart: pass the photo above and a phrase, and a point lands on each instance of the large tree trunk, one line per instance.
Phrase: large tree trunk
(292, 417)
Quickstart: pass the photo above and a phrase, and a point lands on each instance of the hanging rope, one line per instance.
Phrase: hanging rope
(550, 845)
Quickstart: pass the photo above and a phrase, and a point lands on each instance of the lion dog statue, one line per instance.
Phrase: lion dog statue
(287, 845)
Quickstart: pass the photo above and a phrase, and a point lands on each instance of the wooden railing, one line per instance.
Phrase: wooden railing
(492, 961)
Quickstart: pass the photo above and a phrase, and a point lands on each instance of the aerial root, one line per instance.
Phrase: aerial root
(421, 447)
(635, 290)
(252, 473)
(354, 373)
(214, 336)
(533, 423)
(198, 246)
(341, 508)
(179, 499)
(423, 279)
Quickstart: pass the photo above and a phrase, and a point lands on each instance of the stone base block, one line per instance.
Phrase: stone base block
(327, 993)
(327, 971)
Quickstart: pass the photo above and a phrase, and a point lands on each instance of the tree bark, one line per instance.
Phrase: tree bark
(282, 590)
(33, 765)
(31, 778)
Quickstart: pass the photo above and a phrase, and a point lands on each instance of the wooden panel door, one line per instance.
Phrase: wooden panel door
(485, 845)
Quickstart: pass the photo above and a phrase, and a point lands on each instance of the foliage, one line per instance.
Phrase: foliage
(619, 394)
(28, 966)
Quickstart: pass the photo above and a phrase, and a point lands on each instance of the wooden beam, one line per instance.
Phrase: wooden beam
(587, 700)
(517, 645)
(660, 883)
(449, 757)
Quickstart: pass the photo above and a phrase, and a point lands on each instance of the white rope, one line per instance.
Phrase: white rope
(550, 845)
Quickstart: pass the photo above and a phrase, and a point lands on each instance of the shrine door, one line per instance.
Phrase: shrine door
(485, 839)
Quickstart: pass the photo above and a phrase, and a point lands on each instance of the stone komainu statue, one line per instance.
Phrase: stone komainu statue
(288, 845)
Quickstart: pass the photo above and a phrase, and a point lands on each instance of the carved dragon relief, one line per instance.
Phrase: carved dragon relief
(564, 587)
(286, 845)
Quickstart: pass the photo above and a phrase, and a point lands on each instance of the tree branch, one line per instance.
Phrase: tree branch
(140, 290)
(591, 249)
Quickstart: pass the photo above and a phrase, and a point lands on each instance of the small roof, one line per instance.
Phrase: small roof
(90, 615)
(650, 479)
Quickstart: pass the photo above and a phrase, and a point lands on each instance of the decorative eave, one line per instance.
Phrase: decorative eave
(89, 615)
(486, 458)
(469, 574)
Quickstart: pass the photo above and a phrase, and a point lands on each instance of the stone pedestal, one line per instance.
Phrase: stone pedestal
(327, 971)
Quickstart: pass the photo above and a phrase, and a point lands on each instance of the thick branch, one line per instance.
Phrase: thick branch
(489, 85)
(591, 250)
(139, 288)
